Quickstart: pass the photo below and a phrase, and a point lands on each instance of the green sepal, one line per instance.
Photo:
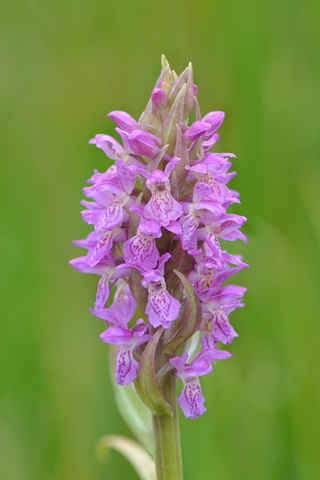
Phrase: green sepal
(154, 162)
(137, 290)
(189, 99)
(147, 384)
(175, 76)
(197, 107)
(181, 151)
(189, 318)
(166, 73)
(145, 116)
(176, 87)
(194, 151)
(174, 185)
(133, 220)
(180, 260)
(164, 62)
(173, 118)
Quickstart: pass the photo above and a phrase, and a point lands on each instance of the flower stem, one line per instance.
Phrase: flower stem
(167, 438)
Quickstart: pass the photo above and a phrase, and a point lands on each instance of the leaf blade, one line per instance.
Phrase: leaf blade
(147, 384)
(191, 318)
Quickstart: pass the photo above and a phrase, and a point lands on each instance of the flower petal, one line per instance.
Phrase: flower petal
(126, 366)
(124, 120)
(162, 308)
(102, 291)
(191, 399)
(141, 251)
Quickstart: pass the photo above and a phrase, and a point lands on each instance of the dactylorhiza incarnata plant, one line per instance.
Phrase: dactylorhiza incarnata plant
(158, 214)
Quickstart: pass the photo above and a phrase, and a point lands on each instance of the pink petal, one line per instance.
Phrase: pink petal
(141, 143)
(162, 308)
(215, 119)
(116, 335)
(196, 130)
(127, 176)
(109, 145)
(159, 98)
(126, 367)
(162, 207)
(141, 251)
(221, 327)
(124, 120)
(191, 399)
(102, 291)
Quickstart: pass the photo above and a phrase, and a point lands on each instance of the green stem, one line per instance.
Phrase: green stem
(167, 438)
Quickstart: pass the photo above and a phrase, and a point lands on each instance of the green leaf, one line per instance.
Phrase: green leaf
(190, 317)
(134, 453)
(147, 384)
(132, 409)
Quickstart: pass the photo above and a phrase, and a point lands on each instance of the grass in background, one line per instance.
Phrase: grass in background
(64, 66)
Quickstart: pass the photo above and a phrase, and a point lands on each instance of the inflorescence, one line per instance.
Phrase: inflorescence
(158, 214)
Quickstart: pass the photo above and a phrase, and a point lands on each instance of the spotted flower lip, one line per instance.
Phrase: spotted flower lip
(191, 399)
(162, 207)
(127, 340)
(141, 250)
(162, 308)
(159, 214)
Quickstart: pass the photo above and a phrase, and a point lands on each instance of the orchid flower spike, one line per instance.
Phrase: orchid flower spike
(158, 215)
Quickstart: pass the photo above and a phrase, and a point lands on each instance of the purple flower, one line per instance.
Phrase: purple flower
(216, 305)
(110, 198)
(213, 271)
(162, 308)
(198, 210)
(191, 399)
(105, 268)
(122, 309)
(141, 251)
(162, 207)
(127, 340)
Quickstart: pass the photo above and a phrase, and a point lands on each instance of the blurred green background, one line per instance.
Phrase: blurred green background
(64, 66)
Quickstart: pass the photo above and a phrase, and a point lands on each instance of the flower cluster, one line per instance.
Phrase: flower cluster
(158, 214)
